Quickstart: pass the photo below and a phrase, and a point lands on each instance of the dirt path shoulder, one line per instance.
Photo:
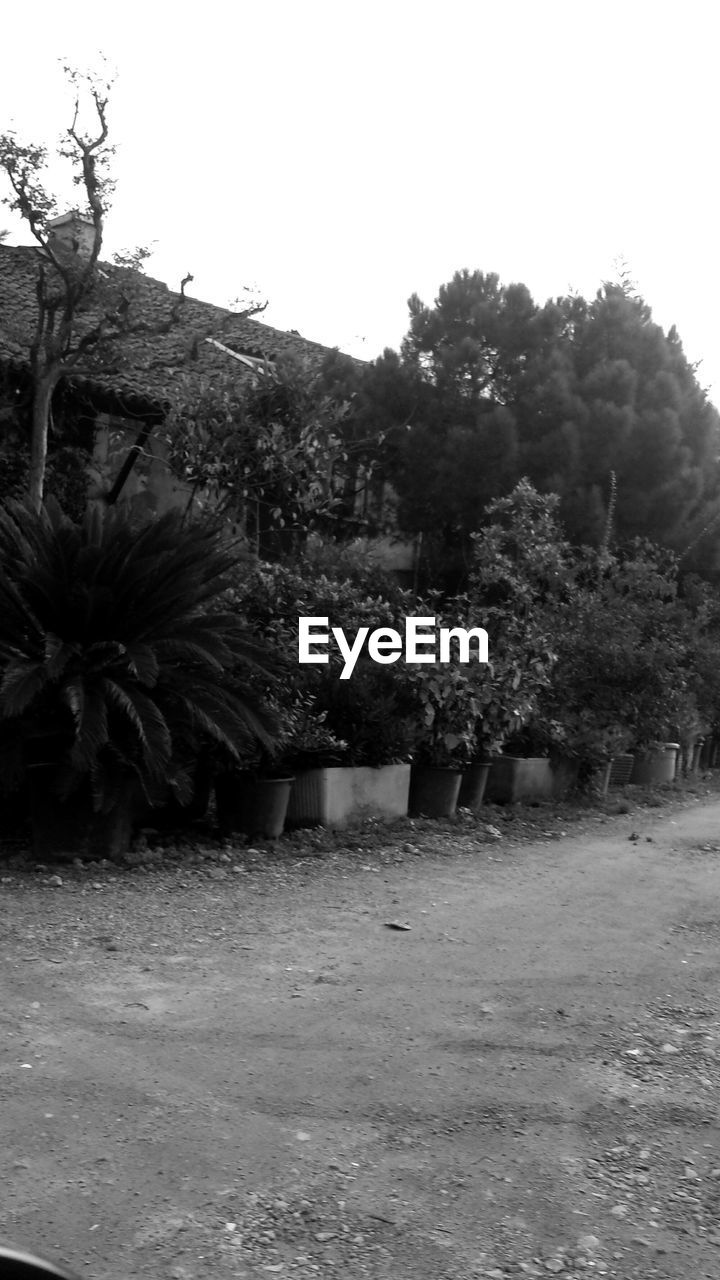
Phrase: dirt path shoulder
(243, 1067)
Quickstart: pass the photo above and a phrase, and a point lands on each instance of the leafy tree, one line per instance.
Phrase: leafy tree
(522, 570)
(473, 344)
(646, 418)
(462, 450)
(565, 394)
(267, 450)
(624, 644)
(591, 651)
(382, 400)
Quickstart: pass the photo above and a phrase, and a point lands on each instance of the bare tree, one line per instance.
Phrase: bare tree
(82, 310)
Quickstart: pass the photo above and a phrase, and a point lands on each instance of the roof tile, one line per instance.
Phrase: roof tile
(151, 364)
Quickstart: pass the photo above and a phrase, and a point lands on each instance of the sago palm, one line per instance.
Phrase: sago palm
(114, 652)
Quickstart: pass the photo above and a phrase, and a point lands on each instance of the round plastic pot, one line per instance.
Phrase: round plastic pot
(472, 786)
(254, 807)
(657, 766)
(434, 792)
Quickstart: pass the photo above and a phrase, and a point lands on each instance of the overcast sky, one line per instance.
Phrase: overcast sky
(341, 155)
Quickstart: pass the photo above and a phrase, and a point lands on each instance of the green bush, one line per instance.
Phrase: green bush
(624, 654)
(590, 651)
(522, 574)
(116, 659)
(366, 718)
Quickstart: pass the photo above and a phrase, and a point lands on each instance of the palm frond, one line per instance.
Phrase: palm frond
(72, 695)
(142, 663)
(91, 730)
(19, 626)
(113, 626)
(234, 716)
(146, 720)
(212, 653)
(58, 654)
(21, 683)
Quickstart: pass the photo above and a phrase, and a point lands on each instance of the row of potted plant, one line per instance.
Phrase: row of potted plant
(592, 653)
(141, 665)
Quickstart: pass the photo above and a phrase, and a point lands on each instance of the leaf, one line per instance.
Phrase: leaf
(21, 684)
(142, 662)
(145, 719)
(91, 731)
(58, 653)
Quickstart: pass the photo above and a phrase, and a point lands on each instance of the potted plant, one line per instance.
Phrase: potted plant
(622, 643)
(523, 771)
(506, 695)
(347, 741)
(361, 774)
(473, 784)
(600, 748)
(446, 715)
(253, 802)
(690, 729)
(522, 568)
(490, 733)
(116, 667)
(252, 794)
(655, 764)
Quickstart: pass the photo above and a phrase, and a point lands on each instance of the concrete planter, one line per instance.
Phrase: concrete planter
(515, 778)
(338, 795)
(656, 766)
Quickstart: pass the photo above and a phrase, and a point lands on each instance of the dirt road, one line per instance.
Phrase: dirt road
(214, 1071)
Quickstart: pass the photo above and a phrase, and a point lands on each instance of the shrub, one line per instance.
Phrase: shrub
(623, 643)
(522, 572)
(115, 658)
(590, 651)
(368, 714)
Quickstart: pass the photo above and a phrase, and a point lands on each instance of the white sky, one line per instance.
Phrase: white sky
(341, 155)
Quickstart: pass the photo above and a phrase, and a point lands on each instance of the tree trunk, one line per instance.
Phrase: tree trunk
(42, 400)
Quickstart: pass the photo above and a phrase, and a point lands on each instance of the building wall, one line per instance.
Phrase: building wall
(151, 485)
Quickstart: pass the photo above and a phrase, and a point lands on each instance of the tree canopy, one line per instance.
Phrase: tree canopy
(489, 386)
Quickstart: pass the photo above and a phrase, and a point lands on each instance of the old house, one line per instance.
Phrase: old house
(115, 402)
(119, 396)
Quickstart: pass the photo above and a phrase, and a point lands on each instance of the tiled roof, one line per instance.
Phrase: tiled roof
(147, 368)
